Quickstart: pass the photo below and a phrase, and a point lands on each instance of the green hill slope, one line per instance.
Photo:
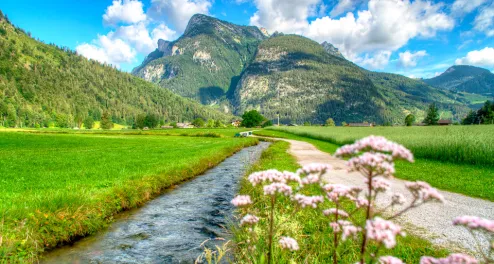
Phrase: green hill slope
(204, 62)
(464, 78)
(42, 84)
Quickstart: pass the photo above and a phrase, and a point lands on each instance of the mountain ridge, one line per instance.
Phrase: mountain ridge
(465, 78)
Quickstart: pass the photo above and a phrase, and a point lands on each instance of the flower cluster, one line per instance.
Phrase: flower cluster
(475, 223)
(241, 200)
(335, 192)
(308, 201)
(398, 198)
(277, 187)
(451, 259)
(334, 211)
(380, 164)
(314, 168)
(383, 231)
(423, 191)
(379, 184)
(390, 260)
(375, 144)
(288, 243)
(269, 175)
(249, 220)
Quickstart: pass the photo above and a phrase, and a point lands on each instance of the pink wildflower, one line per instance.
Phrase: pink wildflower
(335, 226)
(288, 243)
(249, 220)
(349, 230)
(360, 202)
(379, 184)
(475, 222)
(311, 201)
(390, 260)
(424, 191)
(383, 231)
(309, 179)
(451, 259)
(314, 168)
(290, 176)
(398, 198)
(269, 175)
(375, 144)
(241, 200)
(332, 211)
(335, 192)
(273, 188)
(380, 164)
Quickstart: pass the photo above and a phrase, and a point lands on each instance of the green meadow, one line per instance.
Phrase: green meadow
(436, 149)
(59, 186)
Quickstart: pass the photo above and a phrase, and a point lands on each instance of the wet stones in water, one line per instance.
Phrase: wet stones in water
(139, 236)
(208, 232)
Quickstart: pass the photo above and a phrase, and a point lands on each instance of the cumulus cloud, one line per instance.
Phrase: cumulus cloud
(126, 11)
(378, 61)
(461, 7)
(484, 21)
(138, 36)
(343, 6)
(289, 16)
(409, 59)
(107, 50)
(482, 58)
(381, 29)
(178, 12)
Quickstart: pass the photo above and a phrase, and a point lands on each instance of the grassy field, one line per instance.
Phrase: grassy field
(457, 144)
(468, 179)
(56, 187)
(309, 227)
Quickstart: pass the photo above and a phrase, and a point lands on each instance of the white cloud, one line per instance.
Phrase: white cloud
(128, 11)
(461, 7)
(379, 60)
(343, 6)
(482, 58)
(178, 12)
(383, 28)
(289, 16)
(138, 36)
(163, 32)
(408, 59)
(484, 21)
(107, 50)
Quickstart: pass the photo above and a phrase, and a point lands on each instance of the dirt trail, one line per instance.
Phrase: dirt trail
(431, 221)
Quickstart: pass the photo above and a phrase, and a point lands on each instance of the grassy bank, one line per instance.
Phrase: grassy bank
(309, 227)
(455, 144)
(57, 187)
(468, 179)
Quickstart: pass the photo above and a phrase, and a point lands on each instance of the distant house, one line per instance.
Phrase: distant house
(444, 122)
(236, 123)
(166, 127)
(185, 125)
(360, 125)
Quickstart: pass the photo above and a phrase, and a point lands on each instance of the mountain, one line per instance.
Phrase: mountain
(42, 84)
(238, 68)
(464, 78)
(299, 79)
(329, 48)
(205, 61)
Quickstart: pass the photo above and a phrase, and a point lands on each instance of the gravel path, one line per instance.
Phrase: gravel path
(431, 221)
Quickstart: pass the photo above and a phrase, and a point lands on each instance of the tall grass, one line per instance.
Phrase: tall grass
(457, 144)
(56, 187)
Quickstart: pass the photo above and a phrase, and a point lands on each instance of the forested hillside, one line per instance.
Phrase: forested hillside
(464, 78)
(297, 78)
(43, 85)
(205, 61)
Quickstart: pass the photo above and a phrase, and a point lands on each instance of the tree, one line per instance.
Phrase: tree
(198, 122)
(140, 121)
(306, 123)
(218, 123)
(330, 122)
(106, 122)
(409, 120)
(89, 122)
(151, 120)
(210, 123)
(252, 118)
(432, 115)
(267, 123)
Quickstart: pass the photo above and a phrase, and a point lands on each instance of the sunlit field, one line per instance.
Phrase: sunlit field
(458, 144)
(55, 187)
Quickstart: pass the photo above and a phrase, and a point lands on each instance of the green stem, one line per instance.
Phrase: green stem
(271, 224)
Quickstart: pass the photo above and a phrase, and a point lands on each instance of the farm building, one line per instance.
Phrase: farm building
(444, 122)
(360, 125)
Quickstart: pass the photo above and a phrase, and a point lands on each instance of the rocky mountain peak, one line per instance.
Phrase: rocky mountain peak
(331, 49)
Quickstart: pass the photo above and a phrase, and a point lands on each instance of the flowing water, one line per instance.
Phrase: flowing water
(170, 228)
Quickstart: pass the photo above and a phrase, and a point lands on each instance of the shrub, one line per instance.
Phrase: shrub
(252, 119)
(106, 122)
(330, 122)
(198, 122)
(89, 122)
(409, 120)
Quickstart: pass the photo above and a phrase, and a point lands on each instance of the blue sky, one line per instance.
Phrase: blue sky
(413, 38)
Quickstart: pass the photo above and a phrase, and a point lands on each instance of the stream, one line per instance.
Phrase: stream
(170, 228)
